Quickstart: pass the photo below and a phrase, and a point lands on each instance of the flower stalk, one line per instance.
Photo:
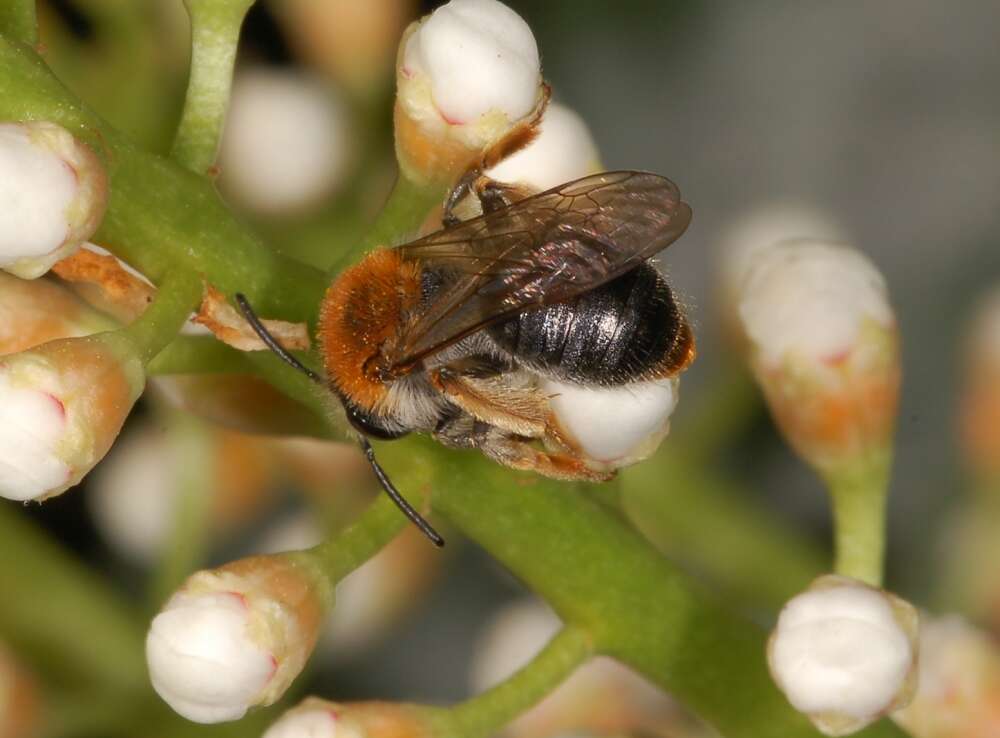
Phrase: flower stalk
(484, 714)
(215, 31)
(859, 495)
(176, 297)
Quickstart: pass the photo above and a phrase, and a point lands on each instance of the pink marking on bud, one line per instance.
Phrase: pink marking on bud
(241, 597)
(58, 403)
(838, 358)
(406, 72)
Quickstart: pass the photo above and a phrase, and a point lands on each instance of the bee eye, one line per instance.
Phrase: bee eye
(368, 423)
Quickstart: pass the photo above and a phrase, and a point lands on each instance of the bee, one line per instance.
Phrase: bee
(449, 334)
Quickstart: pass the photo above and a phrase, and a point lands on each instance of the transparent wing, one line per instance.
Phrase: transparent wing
(548, 248)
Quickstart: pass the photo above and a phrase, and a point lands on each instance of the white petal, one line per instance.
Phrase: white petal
(36, 189)
(841, 650)
(478, 56)
(32, 424)
(811, 299)
(563, 151)
(202, 659)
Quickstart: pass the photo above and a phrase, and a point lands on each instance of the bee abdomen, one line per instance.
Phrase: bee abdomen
(628, 329)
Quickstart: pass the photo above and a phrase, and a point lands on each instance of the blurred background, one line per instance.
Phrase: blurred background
(872, 123)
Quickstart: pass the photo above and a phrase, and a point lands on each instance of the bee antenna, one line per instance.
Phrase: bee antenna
(271, 342)
(405, 507)
(383, 479)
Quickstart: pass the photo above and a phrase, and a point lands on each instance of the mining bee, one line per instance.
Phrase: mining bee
(451, 334)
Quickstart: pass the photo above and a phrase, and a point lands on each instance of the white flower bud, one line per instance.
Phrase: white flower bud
(824, 347)
(61, 406)
(844, 653)
(286, 142)
(133, 494)
(54, 191)
(234, 637)
(474, 57)
(467, 76)
(959, 692)
(35, 311)
(811, 299)
(748, 238)
(614, 425)
(563, 151)
(315, 718)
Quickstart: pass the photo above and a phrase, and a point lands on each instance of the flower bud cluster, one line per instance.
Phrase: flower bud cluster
(844, 653)
(54, 191)
(235, 637)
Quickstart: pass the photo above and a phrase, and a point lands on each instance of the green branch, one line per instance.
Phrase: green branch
(17, 20)
(485, 714)
(215, 32)
(176, 297)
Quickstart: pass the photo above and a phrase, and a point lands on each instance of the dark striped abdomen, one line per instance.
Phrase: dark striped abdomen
(625, 330)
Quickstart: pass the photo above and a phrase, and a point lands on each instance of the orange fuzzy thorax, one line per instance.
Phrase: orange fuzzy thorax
(362, 311)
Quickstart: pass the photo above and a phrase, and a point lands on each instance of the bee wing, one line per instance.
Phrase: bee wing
(548, 248)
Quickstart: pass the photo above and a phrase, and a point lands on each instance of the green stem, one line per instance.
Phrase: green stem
(674, 501)
(601, 576)
(176, 297)
(859, 495)
(377, 526)
(17, 20)
(407, 208)
(215, 32)
(199, 355)
(486, 713)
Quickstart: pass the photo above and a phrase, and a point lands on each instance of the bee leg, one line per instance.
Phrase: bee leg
(494, 195)
(519, 453)
(462, 188)
(461, 430)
